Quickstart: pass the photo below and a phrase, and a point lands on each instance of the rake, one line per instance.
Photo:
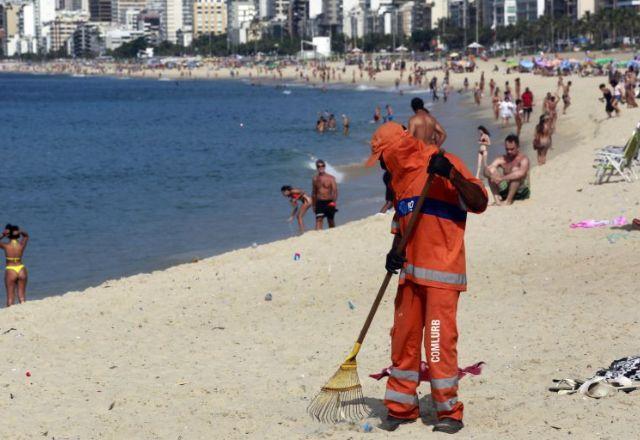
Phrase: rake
(341, 398)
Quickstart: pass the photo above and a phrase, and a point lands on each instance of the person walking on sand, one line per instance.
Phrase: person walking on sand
(15, 274)
(492, 86)
(301, 203)
(542, 140)
(527, 104)
(324, 196)
(517, 113)
(506, 111)
(432, 273)
(509, 174)
(477, 93)
(566, 98)
(610, 104)
(630, 87)
(424, 126)
(483, 150)
(495, 102)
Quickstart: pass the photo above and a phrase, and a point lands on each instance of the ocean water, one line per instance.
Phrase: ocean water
(115, 177)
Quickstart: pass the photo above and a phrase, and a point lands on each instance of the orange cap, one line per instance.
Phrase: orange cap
(388, 135)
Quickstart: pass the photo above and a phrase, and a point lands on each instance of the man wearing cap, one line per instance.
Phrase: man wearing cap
(432, 272)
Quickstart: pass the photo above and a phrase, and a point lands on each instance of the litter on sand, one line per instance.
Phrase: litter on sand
(268, 297)
(296, 256)
(367, 427)
(622, 375)
(352, 306)
(588, 224)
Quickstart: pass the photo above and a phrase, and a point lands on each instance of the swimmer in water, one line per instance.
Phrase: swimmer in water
(345, 125)
(15, 274)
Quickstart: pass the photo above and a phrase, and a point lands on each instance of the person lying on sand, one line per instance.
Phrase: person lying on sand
(509, 174)
(15, 274)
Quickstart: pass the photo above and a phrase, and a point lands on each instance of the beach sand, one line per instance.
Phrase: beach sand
(195, 351)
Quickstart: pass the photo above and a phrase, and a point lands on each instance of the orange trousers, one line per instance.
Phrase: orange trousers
(428, 311)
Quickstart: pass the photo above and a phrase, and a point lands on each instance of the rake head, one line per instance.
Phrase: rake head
(341, 399)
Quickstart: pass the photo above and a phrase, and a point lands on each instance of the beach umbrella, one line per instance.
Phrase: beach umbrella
(401, 49)
(475, 45)
(356, 50)
(454, 54)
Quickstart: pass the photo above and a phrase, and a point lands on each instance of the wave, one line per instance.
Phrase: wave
(330, 169)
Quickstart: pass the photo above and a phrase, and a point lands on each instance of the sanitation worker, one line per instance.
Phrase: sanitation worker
(432, 272)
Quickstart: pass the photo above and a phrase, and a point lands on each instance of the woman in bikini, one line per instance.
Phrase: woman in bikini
(295, 196)
(15, 274)
(496, 104)
(483, 151)
(518, 116)
(542, 139)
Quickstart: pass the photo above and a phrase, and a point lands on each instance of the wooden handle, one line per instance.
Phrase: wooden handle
(400, 249)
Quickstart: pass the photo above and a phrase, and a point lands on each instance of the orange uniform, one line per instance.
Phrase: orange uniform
(431, 279)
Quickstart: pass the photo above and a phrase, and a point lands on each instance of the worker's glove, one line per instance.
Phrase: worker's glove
(440, 165)
(395, 261)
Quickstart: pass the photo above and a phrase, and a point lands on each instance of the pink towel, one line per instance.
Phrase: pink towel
(474, 370)
(587, 224)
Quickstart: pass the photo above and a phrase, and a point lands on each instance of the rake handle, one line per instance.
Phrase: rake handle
(400, 249)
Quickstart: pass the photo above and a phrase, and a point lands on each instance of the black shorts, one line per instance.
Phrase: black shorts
(323, 210)
(527, 110)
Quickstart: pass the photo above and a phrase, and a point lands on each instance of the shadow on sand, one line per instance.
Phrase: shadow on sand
(427, 410)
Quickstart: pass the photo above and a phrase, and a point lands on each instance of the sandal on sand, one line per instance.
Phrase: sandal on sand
(597, 389)
(566, 386)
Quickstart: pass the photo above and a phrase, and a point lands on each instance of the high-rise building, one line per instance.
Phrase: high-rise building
(331, 18)
(86, 41)
(240, 14)
(266, 9)
(586, 6)
(64, 26)
(281, 9)
(187, 14)
(439, 11)
(120, 7)
(298, 18)
(209, 17)
(100, 10)
(172, 22)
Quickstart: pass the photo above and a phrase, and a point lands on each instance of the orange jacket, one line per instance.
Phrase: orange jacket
(435, 253)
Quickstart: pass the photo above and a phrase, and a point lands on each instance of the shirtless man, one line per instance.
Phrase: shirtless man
(425, 127)
(324, 196)
(512, 183)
